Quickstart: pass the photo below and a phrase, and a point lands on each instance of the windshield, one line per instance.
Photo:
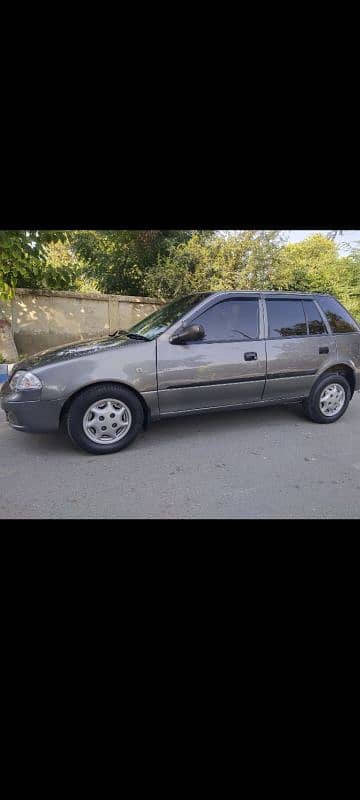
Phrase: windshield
(156, 323)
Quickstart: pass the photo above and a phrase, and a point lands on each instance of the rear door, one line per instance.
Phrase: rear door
(226, 368)
(299, 345)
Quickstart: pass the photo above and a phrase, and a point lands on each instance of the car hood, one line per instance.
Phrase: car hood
(73, 350)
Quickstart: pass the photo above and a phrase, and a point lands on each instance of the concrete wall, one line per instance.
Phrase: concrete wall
(42, 319)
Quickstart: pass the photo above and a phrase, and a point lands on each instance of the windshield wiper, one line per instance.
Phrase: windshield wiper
(130, 335)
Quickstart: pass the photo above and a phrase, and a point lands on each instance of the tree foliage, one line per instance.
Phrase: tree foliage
(119, 261)
(23, 259)
(315, 265)
(238, 261)
(258, 260)
(171, 263)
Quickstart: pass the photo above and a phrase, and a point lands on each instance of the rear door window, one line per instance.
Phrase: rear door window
(313, 318)
(286, 318)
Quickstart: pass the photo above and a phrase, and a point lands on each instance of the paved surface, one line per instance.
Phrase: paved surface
(268, 462)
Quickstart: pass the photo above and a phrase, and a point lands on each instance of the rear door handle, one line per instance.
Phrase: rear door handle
(323, 350)
(250, 356)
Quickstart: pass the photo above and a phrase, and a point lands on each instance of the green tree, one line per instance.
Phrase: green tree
(236, 260)
(119, 261)
(315, 265)
(23, 259)
(110, 261)
(64, 269)
(310, 265)
(350, 291)
(170, 263)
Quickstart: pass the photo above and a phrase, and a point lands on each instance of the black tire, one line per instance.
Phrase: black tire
(312, 406)
(92, 395)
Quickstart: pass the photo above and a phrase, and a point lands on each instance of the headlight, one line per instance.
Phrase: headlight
(24, 380)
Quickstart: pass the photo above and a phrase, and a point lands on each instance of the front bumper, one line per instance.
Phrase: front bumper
(31, 416)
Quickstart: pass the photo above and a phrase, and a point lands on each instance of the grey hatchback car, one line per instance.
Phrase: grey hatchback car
(203, 352)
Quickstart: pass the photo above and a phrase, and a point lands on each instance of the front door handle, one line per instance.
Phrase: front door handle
(250, 356)
(323, 350)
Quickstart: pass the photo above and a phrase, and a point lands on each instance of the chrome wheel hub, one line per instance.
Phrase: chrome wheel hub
(107, 421)
(332, 399)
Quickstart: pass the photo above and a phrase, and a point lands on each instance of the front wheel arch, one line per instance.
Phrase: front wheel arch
(120, 384)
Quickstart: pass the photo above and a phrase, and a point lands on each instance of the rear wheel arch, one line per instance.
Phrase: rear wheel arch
(329, 397)
(346, 370)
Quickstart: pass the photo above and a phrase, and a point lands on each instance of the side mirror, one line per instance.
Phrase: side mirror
(191, 333)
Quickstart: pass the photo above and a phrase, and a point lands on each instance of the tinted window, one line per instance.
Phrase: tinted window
(313, 317)
(286, 318)
(156, 323)
(339, 319)
(232, 319)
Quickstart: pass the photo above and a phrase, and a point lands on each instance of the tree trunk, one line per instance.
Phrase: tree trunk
(8, 349)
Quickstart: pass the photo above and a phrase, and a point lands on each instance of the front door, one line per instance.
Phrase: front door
(226, 368)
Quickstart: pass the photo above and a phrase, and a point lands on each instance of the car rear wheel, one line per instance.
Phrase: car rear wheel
(329, 399)
(104, 419)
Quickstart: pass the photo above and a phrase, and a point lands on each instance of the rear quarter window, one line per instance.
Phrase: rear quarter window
(338, 318)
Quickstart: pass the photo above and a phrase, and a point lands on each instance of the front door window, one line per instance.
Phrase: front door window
(231, 320)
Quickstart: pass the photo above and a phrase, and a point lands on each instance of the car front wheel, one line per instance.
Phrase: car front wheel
(104, 419)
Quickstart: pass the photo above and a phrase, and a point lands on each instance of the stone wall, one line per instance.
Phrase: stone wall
(42, 319)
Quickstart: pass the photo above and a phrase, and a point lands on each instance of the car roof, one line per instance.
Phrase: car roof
(266, 293)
